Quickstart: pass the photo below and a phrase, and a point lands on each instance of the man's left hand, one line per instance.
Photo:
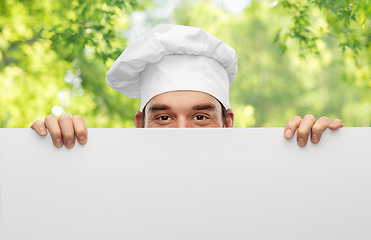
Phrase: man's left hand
(309, 125)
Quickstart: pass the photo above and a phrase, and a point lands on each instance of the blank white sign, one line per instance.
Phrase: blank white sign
(186, 184)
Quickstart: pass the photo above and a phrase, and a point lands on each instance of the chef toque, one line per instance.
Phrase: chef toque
(172, 58)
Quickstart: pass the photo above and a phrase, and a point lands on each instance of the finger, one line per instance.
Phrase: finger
(291, 127)
(318, 129)
(80, 128)
(304, 129)
(39, 127)
(54, 130)
(336, 124)
(65, 123)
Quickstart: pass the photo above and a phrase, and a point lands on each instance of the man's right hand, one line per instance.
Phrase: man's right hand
(63, 131)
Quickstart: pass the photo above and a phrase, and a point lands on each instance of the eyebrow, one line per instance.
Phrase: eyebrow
(158, 107)
(162, 107)
(205, 107)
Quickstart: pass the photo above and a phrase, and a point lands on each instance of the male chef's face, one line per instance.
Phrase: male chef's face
(184, 109)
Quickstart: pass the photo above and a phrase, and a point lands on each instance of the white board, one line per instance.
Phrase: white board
(186, 184)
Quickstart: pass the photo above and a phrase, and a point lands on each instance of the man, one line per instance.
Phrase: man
(182, 75)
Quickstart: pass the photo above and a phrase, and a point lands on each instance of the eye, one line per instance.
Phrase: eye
(200, 117)
(164, 118)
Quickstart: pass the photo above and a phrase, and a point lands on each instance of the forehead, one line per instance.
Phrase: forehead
(183, 99)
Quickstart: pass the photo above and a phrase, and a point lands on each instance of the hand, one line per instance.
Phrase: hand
(63, 131)
(309, 124)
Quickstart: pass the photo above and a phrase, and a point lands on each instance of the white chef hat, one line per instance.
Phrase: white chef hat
(172, 58)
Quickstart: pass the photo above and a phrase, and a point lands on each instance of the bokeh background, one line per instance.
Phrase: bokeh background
(295, 57)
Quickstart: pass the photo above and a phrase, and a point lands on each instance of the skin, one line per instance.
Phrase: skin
(309, 125)
(184, 109)
(179, 109)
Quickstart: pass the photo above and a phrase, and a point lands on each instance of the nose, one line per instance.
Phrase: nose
(182, 123)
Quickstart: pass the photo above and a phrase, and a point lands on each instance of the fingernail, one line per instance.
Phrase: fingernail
(82, 139)
(314, 138)
(69, 144)
(301, 142)
(42, 131)
(288, 133)
(59, 143)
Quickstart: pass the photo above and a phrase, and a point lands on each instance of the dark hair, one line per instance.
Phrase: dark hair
(224, 114)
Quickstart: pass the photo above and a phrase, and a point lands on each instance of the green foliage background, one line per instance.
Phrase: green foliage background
(295, 57)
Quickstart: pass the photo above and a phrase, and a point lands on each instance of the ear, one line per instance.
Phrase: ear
(138, 120)
(229, 119)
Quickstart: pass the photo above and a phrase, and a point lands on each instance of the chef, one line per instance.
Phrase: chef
(182, 75)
